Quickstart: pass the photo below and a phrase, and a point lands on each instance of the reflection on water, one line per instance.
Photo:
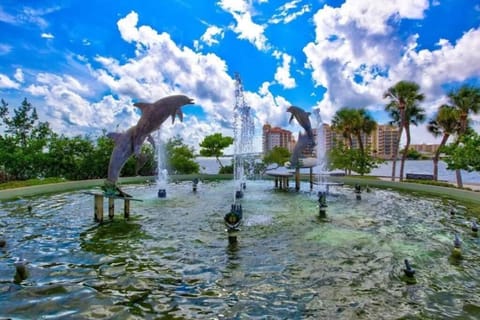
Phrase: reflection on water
(172, 260)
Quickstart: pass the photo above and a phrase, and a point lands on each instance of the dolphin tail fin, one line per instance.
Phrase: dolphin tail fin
(152, 141)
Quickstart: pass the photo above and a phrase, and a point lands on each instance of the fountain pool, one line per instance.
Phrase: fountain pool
(172, 260)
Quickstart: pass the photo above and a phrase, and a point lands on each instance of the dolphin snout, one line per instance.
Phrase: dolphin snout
(191, 101)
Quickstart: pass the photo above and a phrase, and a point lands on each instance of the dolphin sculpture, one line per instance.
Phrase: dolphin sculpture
(130, 141)
(303, 141)
(302, 118)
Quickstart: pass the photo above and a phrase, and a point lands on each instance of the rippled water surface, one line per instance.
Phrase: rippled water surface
(172, 260)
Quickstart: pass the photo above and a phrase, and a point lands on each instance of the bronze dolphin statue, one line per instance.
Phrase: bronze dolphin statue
(130, 141)
(303, 141)
(302, 118)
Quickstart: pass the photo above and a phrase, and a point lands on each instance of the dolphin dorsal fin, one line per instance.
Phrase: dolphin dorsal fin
(142, 105)
(115, 136)
(291, 118)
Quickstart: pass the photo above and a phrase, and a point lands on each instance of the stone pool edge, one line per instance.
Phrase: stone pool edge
(452, 193)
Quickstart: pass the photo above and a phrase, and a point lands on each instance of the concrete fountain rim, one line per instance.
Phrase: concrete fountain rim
(421, 189)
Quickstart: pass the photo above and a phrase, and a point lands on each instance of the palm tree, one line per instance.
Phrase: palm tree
(466, 100)
(363, 124)
(353, 123)
(404, 95)
(343, 122)
(445, 123)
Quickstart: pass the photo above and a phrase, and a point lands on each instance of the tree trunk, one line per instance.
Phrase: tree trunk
(458, 174)
(219, 162)
(463, 129)
(395, 153)
(405, 152)
(436, 158)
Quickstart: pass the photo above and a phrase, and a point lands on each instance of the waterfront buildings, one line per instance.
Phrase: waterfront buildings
(381, 142)
(276, 137)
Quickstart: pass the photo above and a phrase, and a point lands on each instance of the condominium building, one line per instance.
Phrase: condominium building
(381, 142)
(427, 149)
(386, 137)
(276, 137)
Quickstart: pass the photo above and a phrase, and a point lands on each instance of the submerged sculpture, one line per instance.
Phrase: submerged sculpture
(304, 140)
(130, 141)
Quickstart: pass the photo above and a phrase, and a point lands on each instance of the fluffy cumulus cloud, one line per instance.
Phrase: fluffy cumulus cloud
(245, 27)
(356, 55)
(211, 35)
(7, 83)
(282, 75)
(160, 67)
(68, 108)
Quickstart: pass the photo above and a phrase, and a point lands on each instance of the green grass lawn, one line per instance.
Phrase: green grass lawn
(30, 182)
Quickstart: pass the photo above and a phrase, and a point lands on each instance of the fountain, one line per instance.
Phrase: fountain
(243, 132)
(170, 259)
(162, 172)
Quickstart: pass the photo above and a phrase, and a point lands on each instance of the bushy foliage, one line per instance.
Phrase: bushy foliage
(278, 155)
(181, 158)
(29, 149)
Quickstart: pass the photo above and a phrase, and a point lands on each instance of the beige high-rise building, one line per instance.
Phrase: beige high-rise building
(426, 149)
(385, 141)
(276, 137)
(381, 142)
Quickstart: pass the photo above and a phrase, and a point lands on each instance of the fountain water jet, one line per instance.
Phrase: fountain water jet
(243, 132)
(162, 172)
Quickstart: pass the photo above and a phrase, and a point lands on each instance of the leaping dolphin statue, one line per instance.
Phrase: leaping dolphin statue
(302, 118)
(303, 142)
(130, 141)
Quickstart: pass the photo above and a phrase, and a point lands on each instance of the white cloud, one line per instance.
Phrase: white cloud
(47, 35)
(245, 27)
(211, 35)
(18, 75)
(7, 83)
(285, 14)
(355, 50)
(68, 111)
(282, 75)
(5, 49)
(7, 18)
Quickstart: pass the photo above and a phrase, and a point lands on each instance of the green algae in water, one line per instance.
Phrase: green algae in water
(172, 259)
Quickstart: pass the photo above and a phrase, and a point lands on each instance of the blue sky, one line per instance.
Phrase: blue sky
(82, 64)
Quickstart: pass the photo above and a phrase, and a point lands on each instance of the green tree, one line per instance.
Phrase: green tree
(348, 159)
(24, 141)
(180, 157)
(467, 101)
(344, 122)
(464, 154)
(213, 146)
(445, 123)
(354, 123)
(278, 155)
(404, 109)
(66, 157)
